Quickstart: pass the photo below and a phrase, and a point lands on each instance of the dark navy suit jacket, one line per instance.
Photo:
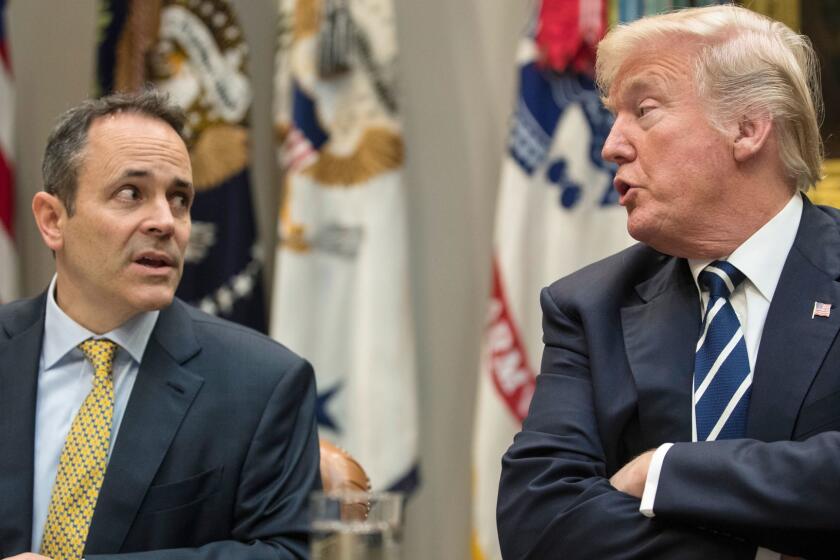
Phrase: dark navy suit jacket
(616, 381)
(216, 454)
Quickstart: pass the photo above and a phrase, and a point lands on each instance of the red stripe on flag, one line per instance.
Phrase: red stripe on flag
(7, 199)
(512, 375)
(4, 55)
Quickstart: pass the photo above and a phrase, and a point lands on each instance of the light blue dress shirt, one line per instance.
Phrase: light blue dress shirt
(65, 378)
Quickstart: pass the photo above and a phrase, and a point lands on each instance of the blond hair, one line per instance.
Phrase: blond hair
(746, 64)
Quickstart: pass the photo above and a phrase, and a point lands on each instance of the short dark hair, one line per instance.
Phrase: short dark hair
(67, 141)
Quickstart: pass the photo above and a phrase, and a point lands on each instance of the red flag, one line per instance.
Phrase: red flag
(568, 32)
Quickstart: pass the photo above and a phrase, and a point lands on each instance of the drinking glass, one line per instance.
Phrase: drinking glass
(356, 526)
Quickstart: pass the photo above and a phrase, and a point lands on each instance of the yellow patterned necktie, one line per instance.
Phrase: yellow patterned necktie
(81, 467)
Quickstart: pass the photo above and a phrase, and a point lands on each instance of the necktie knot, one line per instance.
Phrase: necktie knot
(100, 353)
(720, 278)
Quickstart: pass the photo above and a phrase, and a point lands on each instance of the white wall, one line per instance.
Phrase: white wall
(457, 86)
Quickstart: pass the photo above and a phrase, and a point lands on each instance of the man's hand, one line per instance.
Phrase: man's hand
(631, 478)
(27, 556)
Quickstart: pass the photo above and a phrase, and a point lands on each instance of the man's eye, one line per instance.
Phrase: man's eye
(128, 192)
(645, 109)
(181, 200)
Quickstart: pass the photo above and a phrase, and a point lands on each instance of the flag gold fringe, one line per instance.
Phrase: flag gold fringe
(219, 153)
(477, 553)
(379, 150)
(307, 18)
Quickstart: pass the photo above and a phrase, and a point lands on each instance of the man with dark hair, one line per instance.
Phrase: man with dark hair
(688, 402)
(129, 421)
(65, 145)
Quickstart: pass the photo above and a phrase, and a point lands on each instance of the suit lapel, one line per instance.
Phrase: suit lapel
(793, 345)
(659, 339)
(20, 351)
(161, 396)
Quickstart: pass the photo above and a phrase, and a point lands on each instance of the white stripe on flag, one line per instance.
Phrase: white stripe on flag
(8, 268)
(7, 110)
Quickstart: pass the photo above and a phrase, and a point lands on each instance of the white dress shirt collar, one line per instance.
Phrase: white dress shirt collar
(762, 256)
(62, 334)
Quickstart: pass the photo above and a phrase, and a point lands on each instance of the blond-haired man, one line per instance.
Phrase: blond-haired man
(689, 395)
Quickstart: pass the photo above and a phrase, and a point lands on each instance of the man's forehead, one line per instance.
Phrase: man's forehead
(134, 143)
(648, 71)
(127, 129)
(121, 122)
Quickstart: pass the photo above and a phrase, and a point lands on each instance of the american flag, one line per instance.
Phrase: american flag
(8, 258)
(821, 309)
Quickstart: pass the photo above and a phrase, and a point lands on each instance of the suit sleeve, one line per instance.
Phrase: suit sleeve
(783, 495)
(281, 469)
(555, 499)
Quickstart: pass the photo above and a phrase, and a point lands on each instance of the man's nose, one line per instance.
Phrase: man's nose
(618, 148)
(160, 219)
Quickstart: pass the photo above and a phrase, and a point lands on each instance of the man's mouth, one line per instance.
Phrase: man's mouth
(155, 260)
(621, 186)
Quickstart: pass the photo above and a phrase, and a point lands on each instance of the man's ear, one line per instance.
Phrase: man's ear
(753, 134)
(50, 217)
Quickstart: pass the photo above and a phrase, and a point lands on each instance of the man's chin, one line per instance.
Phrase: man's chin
(650, 233)
(638, 228)
(153, 299)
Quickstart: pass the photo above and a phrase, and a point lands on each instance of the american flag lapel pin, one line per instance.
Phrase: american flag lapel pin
(821, 309)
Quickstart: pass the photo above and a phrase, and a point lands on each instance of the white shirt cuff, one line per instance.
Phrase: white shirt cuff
(652, 481)
(649, 495)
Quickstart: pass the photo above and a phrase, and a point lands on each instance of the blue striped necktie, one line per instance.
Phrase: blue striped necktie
(722, 376)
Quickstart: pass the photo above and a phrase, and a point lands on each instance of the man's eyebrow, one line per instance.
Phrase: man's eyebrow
(131, 173)
(630, 87)
(142, 173)
(182, 184)
(638, 83)
(633, 85)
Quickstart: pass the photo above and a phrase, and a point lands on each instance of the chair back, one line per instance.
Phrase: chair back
(340, 471)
